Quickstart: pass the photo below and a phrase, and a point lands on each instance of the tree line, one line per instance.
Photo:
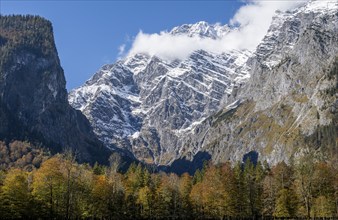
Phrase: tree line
(62, 188)
(24, 33)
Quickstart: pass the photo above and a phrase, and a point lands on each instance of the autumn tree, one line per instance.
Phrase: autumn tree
(197, 200)
(214, 196)
(305, 183)
(241, 201)
(185, 186)
(133, 182)
(230, 189)
(100, 197)
(70, 174)
(145, 200)
(83, 201)
(117, 194)
(168, 197)
(15, 197)
(323, 190)
(269, 195)
(49, 187)
(249, 179)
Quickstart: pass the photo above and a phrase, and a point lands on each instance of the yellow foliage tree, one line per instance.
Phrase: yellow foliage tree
(49, 187)
(15, 195)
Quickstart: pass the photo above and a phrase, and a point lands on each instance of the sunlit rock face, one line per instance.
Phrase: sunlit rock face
(289, 104)
(272, 101)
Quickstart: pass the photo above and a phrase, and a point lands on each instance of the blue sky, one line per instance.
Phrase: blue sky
(89, 33)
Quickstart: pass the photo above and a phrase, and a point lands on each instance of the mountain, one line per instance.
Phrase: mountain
(33, 96)
(146, 104)
(289, 105)
(275, 102)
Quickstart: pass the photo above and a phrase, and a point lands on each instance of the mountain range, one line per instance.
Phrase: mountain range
(273, 103)
(276, 101)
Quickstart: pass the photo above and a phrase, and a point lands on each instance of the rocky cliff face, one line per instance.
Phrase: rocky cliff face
(33, 98)
(277, 101)
(146, 105)
(289, 104)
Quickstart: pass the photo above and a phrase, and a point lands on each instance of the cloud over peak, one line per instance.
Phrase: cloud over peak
(249, 26)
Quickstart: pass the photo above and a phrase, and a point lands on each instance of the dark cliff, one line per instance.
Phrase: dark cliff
(33, 96)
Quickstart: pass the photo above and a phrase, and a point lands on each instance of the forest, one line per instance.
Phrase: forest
(62, 188)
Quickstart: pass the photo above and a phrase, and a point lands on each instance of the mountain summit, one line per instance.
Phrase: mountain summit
(201, 29)
(145, 104)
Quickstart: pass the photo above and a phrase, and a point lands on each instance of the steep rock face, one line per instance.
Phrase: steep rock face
(107, 99)
(145, 104)
(278, 101)
(33, 98)
(289, 105)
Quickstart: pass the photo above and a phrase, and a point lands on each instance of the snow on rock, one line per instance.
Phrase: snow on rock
(202, 29)
(144, 104)
(148, 105)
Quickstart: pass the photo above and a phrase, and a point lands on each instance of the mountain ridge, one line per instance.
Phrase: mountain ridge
(146, 89)
(201, 29)
(292, 111)
(171, 102)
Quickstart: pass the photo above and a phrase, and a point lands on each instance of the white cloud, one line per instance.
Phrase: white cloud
(253, 21)
(121, 49)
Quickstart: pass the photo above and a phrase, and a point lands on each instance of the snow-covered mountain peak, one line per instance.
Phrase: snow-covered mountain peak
(202, 29)
(322, 6)
(141, 98)
(154, 107)
(287, 26)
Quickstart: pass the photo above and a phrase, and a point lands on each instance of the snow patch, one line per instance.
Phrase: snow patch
(135, 135)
